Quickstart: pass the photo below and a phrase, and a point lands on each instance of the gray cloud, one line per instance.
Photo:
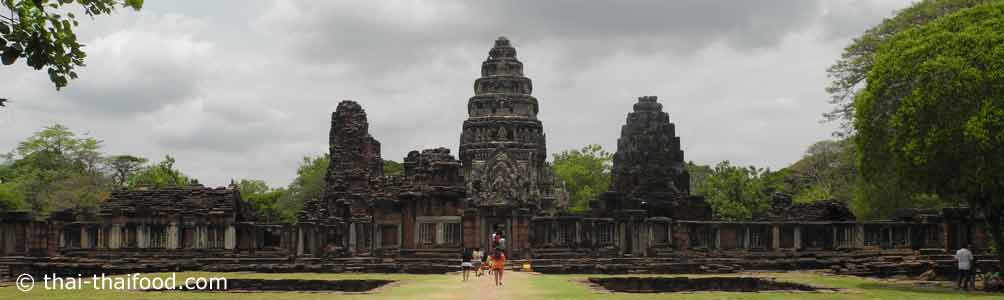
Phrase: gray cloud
(245, 89)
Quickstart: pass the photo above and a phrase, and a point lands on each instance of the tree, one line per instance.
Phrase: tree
(161, 174)
(586, 174)
(124, 166)
(826, 171)
(266, 201)
(391, 167)
(738, 193)
(848, 74)
(41, 32)
(933, 112)
(698, 174)
(55, 169)
(308, 184)
(11, 198)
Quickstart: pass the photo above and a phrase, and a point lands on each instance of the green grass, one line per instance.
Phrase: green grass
(852, 288)
(518, 287)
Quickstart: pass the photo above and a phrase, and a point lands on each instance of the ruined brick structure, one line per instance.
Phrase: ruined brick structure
(420, 220)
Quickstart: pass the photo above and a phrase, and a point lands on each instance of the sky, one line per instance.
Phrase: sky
(245, 89)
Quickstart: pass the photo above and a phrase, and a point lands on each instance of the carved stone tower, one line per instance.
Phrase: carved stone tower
(502, 145)
(648, 158)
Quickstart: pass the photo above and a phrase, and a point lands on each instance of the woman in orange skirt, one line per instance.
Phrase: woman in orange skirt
(498, 264)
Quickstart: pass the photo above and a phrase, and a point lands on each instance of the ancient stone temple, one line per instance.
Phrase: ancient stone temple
(419, 221)
(503, 151)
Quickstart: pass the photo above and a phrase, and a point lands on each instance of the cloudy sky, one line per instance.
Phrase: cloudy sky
(244, 89)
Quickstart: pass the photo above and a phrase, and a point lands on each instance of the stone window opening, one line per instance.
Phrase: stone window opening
(759, 237)
(566, 234)
(452, 233)
(427, 233)
(703, 236)
(214, 237)
(660, 233)
(604, 233)
(845, 236)
(158, 236)
(71, 237)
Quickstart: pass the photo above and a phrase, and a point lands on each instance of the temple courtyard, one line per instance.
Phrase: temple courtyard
(523, 285)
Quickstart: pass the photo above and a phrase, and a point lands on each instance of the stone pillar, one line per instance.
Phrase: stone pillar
(203, 237)
(859, 236)
(835, 242)
(299, 240)
(669, 234)
(578, 233)
(101, 237)
(620, 237)
(142, 237)
(84, 238)
(230, 237)
(172, 236)
(746, 239)
(352, 237)
(775, 237)
(3, 237)
(115, 237)
(718, 237)
(798, 238)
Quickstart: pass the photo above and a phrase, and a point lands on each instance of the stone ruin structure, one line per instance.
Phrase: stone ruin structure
(418, 221)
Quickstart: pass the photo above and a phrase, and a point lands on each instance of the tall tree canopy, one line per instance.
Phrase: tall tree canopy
(738, 193)
(161, 174)
(933, 111)
(41, 32)
(53, 169)
(848, 74)
(586, 174)
(124, 166)
(266, 201)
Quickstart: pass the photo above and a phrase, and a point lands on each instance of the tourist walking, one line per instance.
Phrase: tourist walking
(965, 258)
(467, 262)
(501, 243)
(477, 261)
(498, 264)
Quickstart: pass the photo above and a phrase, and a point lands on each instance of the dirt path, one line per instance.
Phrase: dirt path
(483, 288)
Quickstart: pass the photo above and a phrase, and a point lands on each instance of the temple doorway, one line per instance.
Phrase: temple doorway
(491, 225)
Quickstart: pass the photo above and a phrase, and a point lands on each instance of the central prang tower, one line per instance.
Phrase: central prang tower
(502, 145)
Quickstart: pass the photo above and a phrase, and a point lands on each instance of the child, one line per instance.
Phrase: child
(498, 263)
(489, 264)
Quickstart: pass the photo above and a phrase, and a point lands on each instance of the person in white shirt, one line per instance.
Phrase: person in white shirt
(965, 258)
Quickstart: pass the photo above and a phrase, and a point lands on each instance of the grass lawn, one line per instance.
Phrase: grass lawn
(519, 286)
